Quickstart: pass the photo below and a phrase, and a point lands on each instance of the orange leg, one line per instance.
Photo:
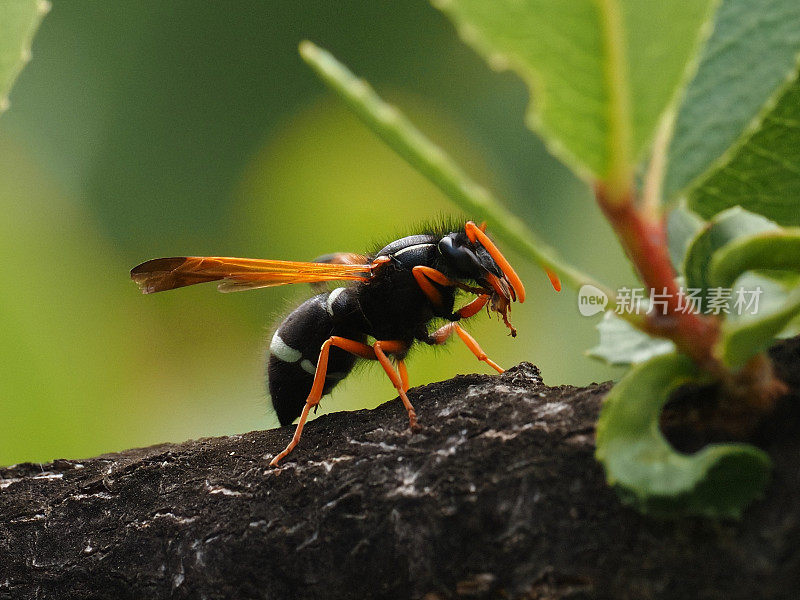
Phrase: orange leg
(401, 368)
(315, 394)
(378, 347)
(364, 351)
(441, 335)
(426, 275)
(473, 308)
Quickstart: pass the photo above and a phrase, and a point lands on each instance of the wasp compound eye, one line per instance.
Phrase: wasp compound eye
(460, 257)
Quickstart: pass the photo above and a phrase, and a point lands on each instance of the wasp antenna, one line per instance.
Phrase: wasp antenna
(554, 280)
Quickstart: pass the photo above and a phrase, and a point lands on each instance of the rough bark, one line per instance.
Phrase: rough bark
(497, 495)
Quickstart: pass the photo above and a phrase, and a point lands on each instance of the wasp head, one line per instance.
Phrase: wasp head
(473, 256)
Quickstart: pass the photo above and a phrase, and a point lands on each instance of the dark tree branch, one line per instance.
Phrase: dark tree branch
(497, 495)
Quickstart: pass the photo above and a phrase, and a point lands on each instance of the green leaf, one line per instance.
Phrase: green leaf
(764, 252)
(778, 249)
(738, 242)
(18, 22)
(743, 339)
(718, 481)
(737, 134)
(682, 227)
(763, 174)
(775, 287)
(601, 72)
(622, 344)
(724, 228)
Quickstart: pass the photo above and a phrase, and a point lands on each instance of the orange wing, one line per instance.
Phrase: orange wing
(236, 274)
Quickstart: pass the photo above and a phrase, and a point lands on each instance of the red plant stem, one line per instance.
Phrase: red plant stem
(645, 243)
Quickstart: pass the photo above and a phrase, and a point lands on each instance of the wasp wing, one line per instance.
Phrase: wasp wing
(342, 258)
(236, 274)
(338, 258)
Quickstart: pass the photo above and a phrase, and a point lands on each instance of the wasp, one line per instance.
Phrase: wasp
(391, 297)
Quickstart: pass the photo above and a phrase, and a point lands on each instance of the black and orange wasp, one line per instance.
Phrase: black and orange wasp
(392, 296)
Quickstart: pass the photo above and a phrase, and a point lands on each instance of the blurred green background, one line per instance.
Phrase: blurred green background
(146, 129)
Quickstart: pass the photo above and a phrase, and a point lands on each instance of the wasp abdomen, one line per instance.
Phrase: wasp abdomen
(294, 351)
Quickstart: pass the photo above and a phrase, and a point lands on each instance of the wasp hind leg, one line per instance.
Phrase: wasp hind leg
(374, 352)
(401, 368)
(441, 335)
(400, 381)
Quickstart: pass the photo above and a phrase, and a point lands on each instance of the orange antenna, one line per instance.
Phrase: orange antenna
(553, 279)
(474, 233)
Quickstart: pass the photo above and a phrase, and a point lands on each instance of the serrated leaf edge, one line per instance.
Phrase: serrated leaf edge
(748, 132)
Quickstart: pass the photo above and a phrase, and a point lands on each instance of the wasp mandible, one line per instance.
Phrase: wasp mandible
(392, 297)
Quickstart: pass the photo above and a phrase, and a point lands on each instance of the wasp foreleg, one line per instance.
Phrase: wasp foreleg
(473, 308)
(441, 335)
(425, 277)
